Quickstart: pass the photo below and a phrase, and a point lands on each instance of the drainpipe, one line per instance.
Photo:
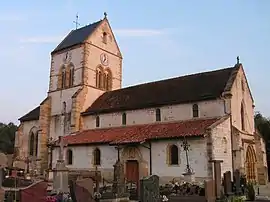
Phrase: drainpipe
(150, 157)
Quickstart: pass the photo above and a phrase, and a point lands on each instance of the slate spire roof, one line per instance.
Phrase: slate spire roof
(77, 36)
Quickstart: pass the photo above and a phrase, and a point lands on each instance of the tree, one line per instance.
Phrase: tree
(262, 124)
(7, 137)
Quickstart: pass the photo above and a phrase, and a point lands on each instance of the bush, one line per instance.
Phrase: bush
(250, 192)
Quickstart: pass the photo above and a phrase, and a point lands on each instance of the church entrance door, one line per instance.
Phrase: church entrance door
(250, 164)
(132, 176)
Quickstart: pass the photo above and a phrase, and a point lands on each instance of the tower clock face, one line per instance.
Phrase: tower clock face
(104, 59)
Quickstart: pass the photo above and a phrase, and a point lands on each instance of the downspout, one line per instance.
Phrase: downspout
(230, 114)
(150, 157)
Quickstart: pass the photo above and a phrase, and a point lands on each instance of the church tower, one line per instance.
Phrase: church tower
(87, 63)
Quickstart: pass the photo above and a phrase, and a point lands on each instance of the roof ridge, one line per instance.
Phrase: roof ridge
(172, 78)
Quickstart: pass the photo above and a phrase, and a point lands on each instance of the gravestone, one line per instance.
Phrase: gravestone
(227, 183)
(60, 173)
(149, 189)
(237, 177)
(119, 179)
(209, 186)
(217, 177)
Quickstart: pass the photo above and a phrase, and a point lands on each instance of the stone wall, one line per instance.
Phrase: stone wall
(207, 109)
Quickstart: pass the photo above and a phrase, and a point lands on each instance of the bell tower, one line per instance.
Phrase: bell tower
(86, 64)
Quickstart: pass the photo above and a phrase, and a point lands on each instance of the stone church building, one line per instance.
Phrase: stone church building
(142, 125)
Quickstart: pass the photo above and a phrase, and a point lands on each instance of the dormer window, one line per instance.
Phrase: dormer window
(104, 37)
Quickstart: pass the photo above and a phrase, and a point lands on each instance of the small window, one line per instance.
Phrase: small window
(69, 157)
(71, 77)
(104, 37)
(195, 110)
(64, 107)
(63, 78)
(97, 121)
(32, 144)
(242, 117)
(158, 115)
(243, 85)
(96, 157)
(124, 118)
(99, 79)
(174, 156)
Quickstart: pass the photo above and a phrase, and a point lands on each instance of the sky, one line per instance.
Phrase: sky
(158, 40)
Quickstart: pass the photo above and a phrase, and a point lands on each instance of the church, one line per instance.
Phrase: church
(144, 126)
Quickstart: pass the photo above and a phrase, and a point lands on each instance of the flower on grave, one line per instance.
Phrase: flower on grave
(164, 198)
(97, 195)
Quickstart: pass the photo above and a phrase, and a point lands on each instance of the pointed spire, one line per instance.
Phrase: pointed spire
(105, 15)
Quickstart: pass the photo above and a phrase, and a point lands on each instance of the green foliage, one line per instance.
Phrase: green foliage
(263, 125)
(7, 137)
(250, 192)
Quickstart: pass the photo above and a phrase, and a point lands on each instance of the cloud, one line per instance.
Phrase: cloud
(138, 32)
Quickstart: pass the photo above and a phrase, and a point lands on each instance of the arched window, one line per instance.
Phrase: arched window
(124, 118)
(97, 121)
(195, 110)
(36, 145)
(71, 76)
(104, 37)
(100, 79)
(32, 144)
(243, 85)
(174, 155)
(96, 157)
(69, 157)
(158, 115)
(242, 117)
(63, 78)
(107, 80)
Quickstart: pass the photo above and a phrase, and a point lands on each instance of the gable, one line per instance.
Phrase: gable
(185, 89)
(96, 38)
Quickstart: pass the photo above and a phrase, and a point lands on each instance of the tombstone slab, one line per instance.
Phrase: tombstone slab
(60, 178)
(149, 189)
(189, 177)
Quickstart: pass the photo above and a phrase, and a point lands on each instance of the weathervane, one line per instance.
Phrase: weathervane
(76, 22)
(237, 59)
(105, 14)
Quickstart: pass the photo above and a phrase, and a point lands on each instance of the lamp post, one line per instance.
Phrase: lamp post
(186, 147)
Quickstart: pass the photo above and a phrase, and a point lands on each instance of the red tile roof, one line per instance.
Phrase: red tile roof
(141, 133)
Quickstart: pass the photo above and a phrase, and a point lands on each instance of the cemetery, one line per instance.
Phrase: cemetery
(89, 186)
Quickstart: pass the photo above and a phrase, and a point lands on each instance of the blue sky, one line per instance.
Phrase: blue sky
(158, 39)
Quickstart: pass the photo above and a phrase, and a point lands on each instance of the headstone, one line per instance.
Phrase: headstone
(237, 177)
(217, 177)
(149, 189)
(119, 179)
(227, 183)
(209, 186)
(60, 173)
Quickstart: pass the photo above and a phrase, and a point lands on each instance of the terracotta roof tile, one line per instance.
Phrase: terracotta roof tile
(141, 133)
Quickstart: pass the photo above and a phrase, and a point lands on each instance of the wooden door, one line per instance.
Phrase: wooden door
(132, 171)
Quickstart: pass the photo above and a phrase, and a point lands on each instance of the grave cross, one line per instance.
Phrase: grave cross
(61, 150)
(76, 21)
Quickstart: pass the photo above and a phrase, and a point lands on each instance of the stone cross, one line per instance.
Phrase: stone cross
(61, 150)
